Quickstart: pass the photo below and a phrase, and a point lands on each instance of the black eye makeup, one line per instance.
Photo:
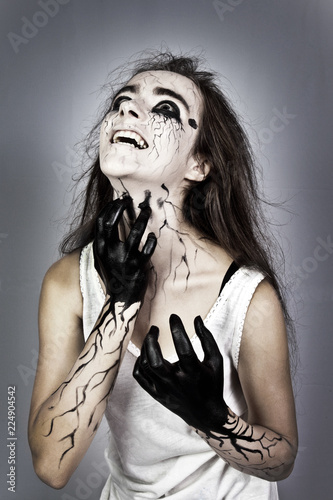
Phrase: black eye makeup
(117, 102)
(168, 109)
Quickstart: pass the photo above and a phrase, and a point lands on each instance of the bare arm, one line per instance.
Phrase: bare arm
(70, 396)
(265, 444)
(74, 380)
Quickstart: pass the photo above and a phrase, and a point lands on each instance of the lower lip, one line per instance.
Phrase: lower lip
(124, 144)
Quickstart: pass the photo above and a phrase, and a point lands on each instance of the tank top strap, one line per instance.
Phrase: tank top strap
(230, 271)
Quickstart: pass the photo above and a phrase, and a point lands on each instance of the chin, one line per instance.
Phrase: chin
(119, 168)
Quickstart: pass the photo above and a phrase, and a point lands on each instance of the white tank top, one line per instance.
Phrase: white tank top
(152, 453)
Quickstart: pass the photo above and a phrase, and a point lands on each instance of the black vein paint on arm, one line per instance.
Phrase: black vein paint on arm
(239, 435)
(81, 392)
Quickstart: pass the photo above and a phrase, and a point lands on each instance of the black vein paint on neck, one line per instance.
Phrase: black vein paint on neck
(129, 210)
(145, 202)
(183, 259)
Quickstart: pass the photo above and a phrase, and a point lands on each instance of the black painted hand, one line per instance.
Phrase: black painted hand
(121, 265)
(190, 388)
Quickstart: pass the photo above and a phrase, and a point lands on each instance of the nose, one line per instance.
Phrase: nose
(130, 107)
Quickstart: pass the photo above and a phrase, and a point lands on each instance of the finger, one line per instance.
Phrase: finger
(99, 225)
(187, 357)
(149, 247)
(106, 211)
(154, 355)
(113, 217)
(135, 236)
(108, 220)
(144, 361)
(209, 345)
(140, 225)
(156, 367)
(141, 376)
(142, 370)
(98, 246)
(152, 349)
(131, 213)
(103, 216)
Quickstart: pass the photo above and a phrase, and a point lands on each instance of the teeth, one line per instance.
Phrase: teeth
(127, 134)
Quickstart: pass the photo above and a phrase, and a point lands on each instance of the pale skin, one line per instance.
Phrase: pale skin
(177, 285)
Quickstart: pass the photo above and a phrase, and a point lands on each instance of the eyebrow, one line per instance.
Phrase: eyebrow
(134, 89)
(171, 93)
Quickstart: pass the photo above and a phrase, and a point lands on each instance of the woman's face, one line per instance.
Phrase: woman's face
(150, 132)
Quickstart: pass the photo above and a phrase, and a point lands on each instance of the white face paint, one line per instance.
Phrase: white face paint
(151, 130)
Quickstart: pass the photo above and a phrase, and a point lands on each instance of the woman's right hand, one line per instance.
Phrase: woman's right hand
(121, 265)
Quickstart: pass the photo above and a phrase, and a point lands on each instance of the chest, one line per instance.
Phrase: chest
(197, 299)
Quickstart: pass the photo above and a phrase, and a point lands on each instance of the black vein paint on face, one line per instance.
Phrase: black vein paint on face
(159, 123)
(192, 123)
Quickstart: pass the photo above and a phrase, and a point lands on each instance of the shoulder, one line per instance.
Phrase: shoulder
(65, 273)
(264, 326)
(265, 305)
(62, 281)
(65, 269)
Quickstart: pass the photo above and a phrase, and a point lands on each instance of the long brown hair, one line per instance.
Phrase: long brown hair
(226, 206)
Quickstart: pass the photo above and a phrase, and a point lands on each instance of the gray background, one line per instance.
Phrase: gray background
(276, 59)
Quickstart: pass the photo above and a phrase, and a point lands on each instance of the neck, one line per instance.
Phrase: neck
(178, 244)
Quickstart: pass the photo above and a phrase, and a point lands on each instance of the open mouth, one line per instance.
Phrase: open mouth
(128, 137)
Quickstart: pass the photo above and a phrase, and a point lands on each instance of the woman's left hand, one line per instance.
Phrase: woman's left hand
(122, 266)
(189, 388)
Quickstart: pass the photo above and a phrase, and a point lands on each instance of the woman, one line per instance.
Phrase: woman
(197, 409)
